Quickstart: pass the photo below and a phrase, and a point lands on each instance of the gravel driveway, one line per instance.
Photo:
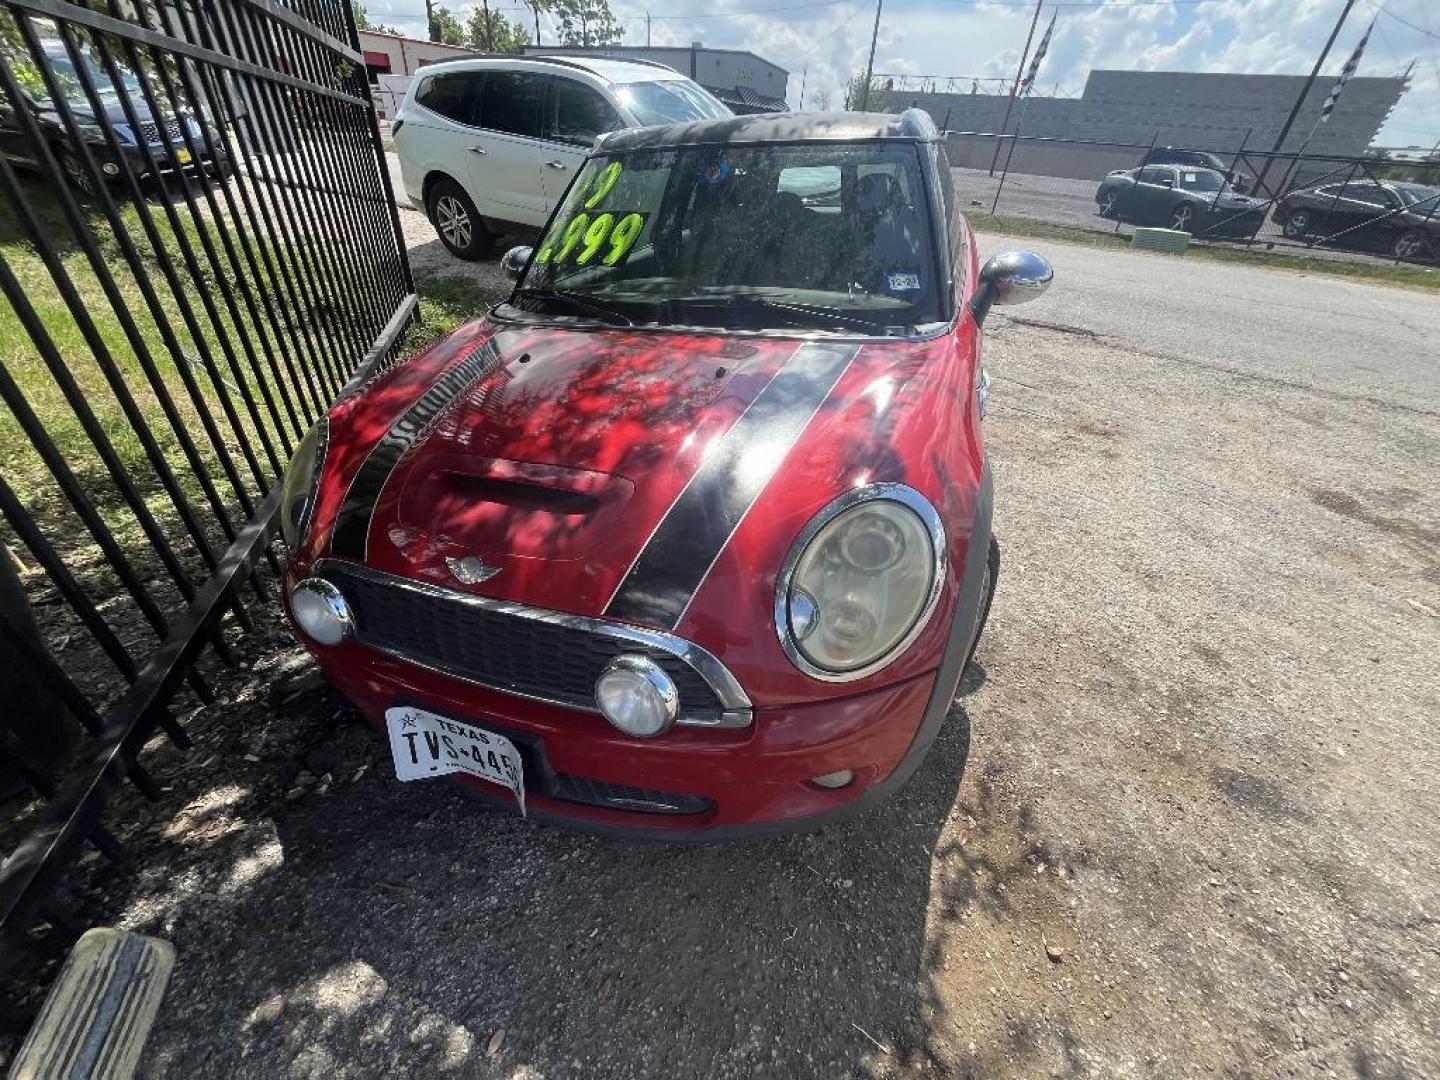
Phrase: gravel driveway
(1181, 821)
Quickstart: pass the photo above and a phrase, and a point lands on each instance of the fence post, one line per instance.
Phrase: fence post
(1019, 122)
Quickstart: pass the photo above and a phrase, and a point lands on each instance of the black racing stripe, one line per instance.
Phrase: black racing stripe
(352, 523)
(664, 576)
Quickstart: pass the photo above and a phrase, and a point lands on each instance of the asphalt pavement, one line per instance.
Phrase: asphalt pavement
(1180, 822)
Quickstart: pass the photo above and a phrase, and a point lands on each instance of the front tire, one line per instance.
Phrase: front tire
(457, 222)
(1297, 224)
(1182, 218)
(992, 576)
(1109, 203)
(1412, 246)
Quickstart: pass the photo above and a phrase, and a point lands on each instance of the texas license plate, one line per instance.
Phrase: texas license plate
(425, 744)
(182, 157)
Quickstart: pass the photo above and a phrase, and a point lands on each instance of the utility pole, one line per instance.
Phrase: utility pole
(647, 29)
(1015, 87)
(429, 20)
(534, 6)
(803, 76)
(870, 64)
(1304, 90)
(489, 30)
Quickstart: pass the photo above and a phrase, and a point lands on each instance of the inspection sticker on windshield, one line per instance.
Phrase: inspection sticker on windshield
(902, 282)
(426, 745)
(1191, 178)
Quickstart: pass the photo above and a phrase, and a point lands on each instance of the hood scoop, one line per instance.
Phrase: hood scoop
(490, 506)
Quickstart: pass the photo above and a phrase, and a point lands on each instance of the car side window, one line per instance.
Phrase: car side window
(1154, 174)
(511, 102)
(578, 114)
(451, 95)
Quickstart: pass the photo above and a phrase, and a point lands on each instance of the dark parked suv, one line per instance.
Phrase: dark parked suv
(163, 135)
(1197, 159)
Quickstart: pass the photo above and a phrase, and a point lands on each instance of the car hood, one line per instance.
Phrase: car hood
(111, 111)
(544, 466)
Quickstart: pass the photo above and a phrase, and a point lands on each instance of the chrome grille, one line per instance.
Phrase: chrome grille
(543, 658)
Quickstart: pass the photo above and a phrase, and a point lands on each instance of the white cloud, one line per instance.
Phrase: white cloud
(942, 37)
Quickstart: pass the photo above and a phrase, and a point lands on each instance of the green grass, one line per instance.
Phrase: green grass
(23, 467)
(1414, 277)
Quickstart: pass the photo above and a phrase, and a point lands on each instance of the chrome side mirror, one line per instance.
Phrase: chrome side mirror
(514, 261)
(1012, 277)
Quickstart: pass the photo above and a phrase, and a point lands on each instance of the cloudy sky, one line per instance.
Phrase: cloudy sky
(822, 42)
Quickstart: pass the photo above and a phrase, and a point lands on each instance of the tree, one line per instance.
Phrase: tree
(586, 22)
(821, 100)
(492, 32)
(856, 97)
(362, 22)
(445, 27)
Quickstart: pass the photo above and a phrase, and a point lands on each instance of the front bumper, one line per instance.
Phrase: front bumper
(581, 770)
(731, 782)
(167, 159)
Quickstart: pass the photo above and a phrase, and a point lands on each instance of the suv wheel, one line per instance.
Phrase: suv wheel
(75, 172)
(1412, 245)
(458, 223)
(1182, 218)
(1297, 224)
(1108, 202)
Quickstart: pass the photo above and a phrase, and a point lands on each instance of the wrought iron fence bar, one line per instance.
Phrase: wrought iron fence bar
(306, 332)
(192, 265)
(407, 281)
(217, 217)
(60, 372)
(270, 160)
(62, 11)
(383, 344)
(308, 27)
(364, 168)
(222, 280)
(29, 871)
(64, 581)
(102, 354)
(342, 301)
(172, 344)
(161, 253)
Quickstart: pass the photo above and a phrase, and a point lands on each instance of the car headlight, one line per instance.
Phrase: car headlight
(860, 582)
(297, 495)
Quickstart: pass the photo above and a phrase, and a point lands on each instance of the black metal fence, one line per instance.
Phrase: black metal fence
(199, 249)
(1365, 208)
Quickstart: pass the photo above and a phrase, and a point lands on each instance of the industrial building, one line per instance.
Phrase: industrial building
(1201, 110)
(743, 81)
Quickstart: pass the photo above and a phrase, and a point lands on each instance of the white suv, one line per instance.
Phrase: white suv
(488, 146)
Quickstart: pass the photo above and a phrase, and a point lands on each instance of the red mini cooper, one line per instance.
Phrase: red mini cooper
(691, 535)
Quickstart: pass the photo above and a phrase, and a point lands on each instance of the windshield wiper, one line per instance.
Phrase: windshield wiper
(813, 314)
(579, 302)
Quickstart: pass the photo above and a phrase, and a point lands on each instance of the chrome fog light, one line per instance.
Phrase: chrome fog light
(636, 695)
(833, 779)
(321, 611)
(110, 168)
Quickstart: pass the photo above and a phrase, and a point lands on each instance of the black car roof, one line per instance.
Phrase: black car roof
(910, 126)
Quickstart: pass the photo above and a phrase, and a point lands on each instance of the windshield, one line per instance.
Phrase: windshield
(829, 236)
(69, 80)
(674, 101)
(1201, 180)
(1410, 194)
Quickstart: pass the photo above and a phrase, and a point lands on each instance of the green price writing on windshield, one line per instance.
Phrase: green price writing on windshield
(603, 183)
(586, 237)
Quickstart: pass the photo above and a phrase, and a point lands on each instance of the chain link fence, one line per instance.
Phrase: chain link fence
(1362, 208)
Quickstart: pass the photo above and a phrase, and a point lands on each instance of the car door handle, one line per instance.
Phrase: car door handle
(556, 164)
(477, 149)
